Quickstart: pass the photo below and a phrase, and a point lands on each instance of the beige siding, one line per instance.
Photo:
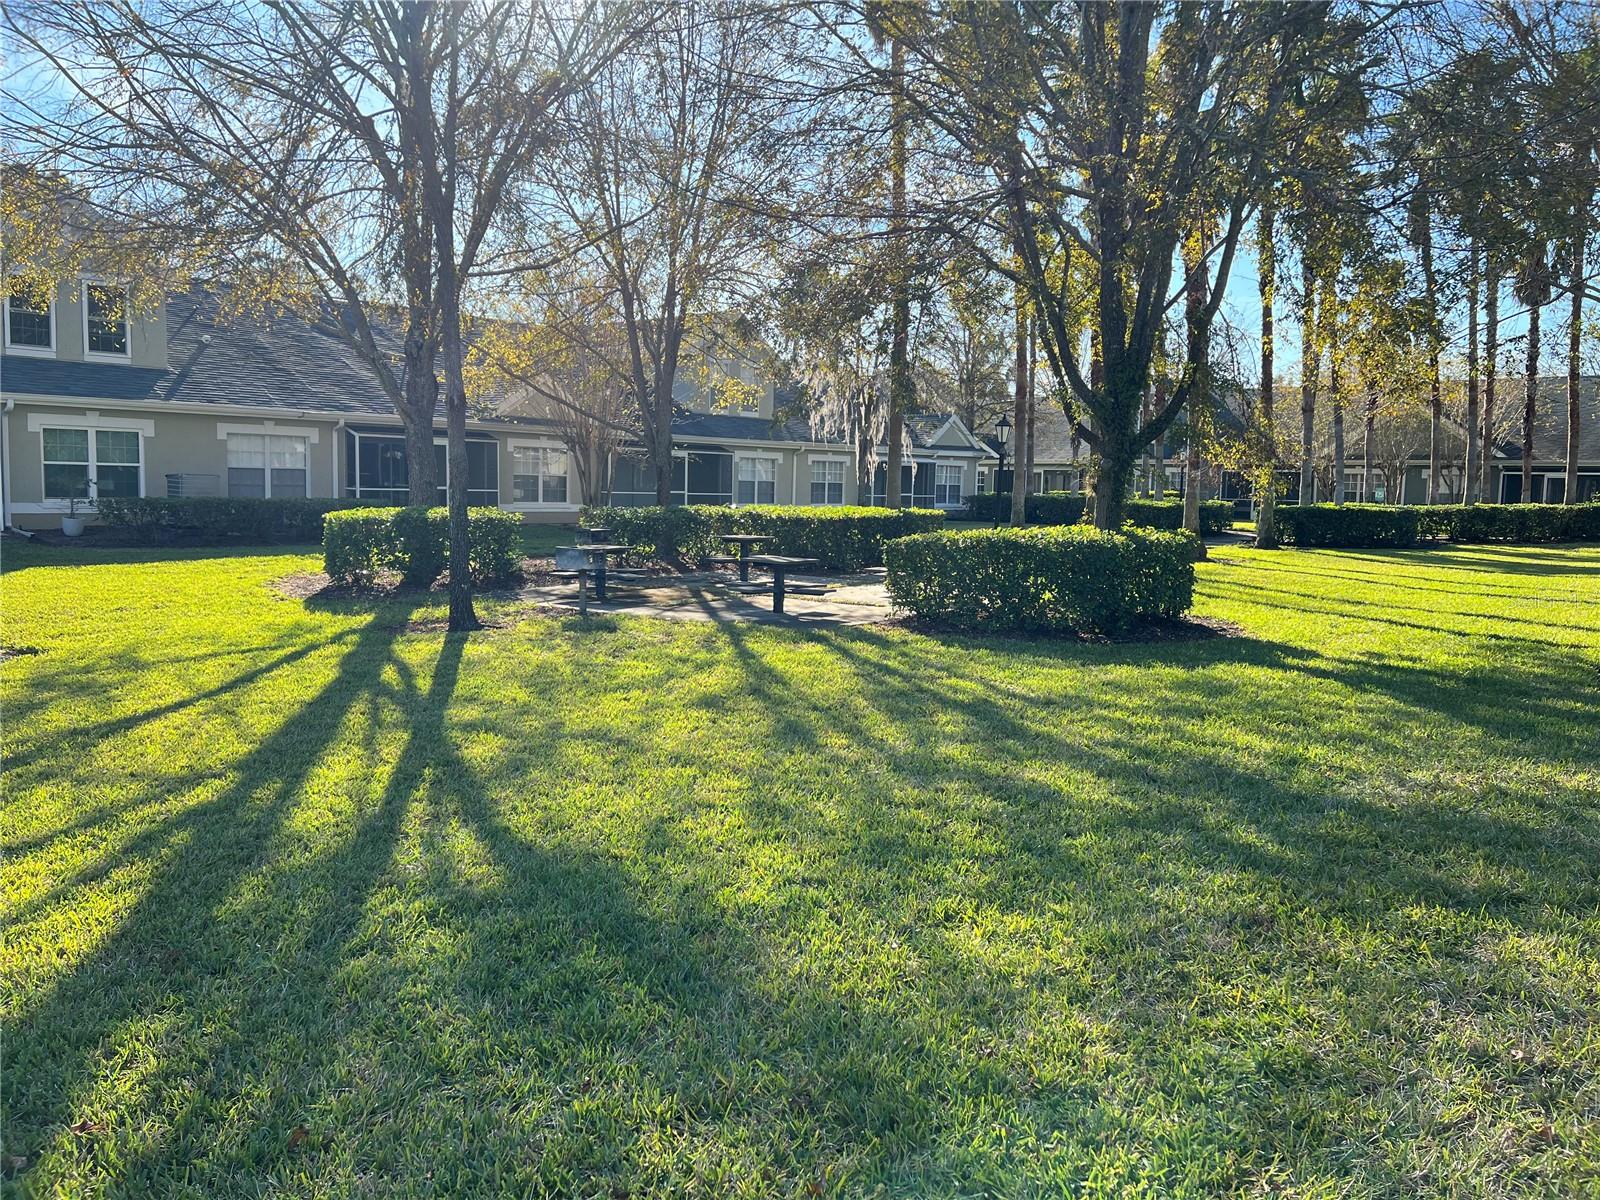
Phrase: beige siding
(177, 443)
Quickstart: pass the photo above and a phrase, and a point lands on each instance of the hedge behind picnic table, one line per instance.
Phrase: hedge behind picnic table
(1067, 508)
(839, 537)
(1047, 579)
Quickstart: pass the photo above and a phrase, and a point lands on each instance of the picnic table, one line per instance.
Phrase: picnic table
(780, 565)
(587, 561)
(742, 543)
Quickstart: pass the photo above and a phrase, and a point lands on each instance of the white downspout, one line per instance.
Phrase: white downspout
(5, 463)
(338, 455)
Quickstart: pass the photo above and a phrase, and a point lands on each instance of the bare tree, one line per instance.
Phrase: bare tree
(368, 147)
(675, 161)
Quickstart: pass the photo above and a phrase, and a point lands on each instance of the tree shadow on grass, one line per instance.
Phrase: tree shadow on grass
(171, 943)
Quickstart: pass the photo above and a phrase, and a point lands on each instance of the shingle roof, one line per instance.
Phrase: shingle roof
(278, 362)
(1550, 418)
(733, 426)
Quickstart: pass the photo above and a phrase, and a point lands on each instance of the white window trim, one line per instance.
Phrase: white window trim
(310, 432)
(961, 483)
(59, 504)
(514, 505)
(127, 321)
(775, 459)
(267, 469)
(28, 351)
(90, 419)
(844, 475)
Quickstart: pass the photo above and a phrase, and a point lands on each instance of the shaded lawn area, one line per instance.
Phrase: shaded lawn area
(301, 903)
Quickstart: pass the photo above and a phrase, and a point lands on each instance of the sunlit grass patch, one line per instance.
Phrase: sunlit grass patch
(301, 903)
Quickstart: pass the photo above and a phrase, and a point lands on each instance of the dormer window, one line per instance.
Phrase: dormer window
(105, 321)
(30, 317)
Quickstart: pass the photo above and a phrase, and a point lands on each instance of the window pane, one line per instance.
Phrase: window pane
(288, 453)
(119, 446)
(247, 482)
(29, 306)
(288, 481)
(66, 445)
(116, 481)
(107, 319)
(246, 450)
(483, 466)
(64, 482)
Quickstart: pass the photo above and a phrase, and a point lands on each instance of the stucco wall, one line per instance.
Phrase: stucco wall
(171, 442)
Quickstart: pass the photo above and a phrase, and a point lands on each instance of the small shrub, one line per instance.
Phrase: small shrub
(414, 541)
(216, 520)
(1347, 525)
(840, 538)
(1050, 579)
(1068, 508)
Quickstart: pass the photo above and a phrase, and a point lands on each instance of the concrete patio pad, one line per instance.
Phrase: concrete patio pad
(858, 600)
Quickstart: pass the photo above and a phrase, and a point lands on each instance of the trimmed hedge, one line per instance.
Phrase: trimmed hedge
(1067, 508)
(1051, 579)
(1368, 525)
(358, 544)
(219, 519)
(1346, 525)
(1511, 522)
(840, 538)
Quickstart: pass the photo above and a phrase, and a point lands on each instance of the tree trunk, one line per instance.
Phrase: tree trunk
(1267, 477)
(899, 350)
(661, 447)
(1336, 398)
(1530, 403)
(1574, 339)
(1158, 485)
(1310, 365)
(1019, 417)
(1191, 475)
(1491, 307)
(462, 615)
(1435, 400)
(1368, 426)
(1469, 476)
(422, 485)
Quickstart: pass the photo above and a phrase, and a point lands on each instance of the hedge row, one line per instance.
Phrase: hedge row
(218, 519)
(840, 538)
(1067, 508)
(360, 543)
(1365, 525)
(1053, 579)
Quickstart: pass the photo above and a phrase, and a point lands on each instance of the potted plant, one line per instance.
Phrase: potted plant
(72, 524)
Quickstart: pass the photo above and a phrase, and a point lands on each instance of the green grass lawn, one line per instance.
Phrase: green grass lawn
(300, 903)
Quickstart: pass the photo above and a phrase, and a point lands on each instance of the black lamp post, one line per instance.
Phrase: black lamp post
(1002, 435)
